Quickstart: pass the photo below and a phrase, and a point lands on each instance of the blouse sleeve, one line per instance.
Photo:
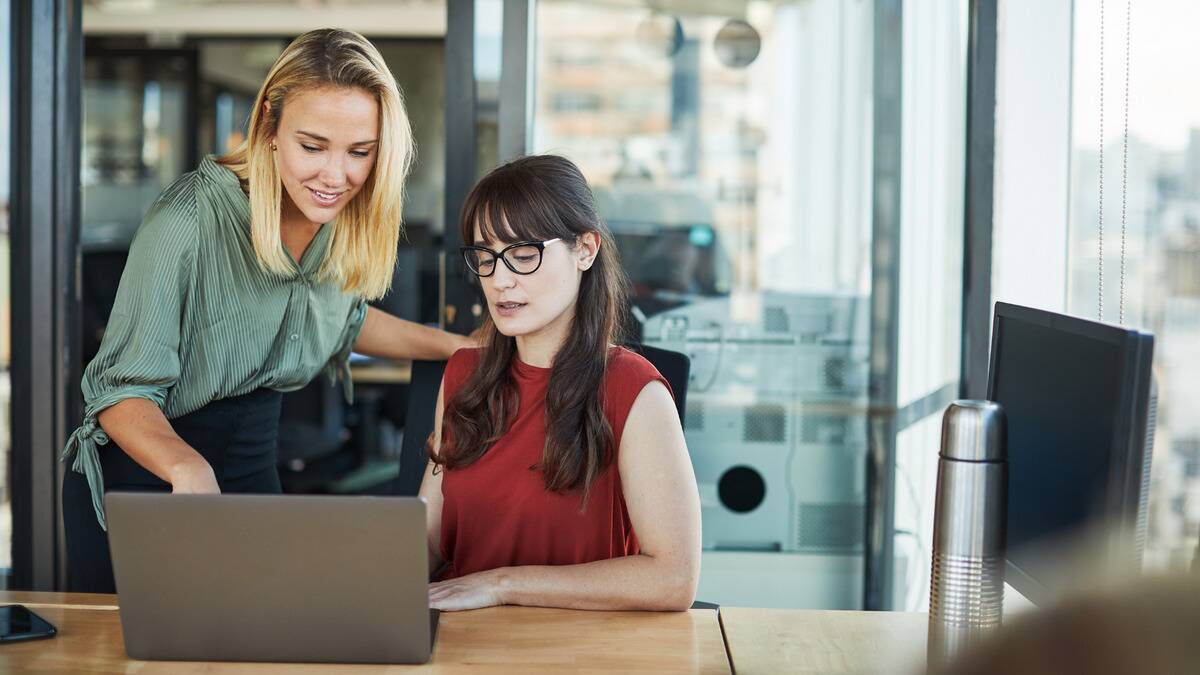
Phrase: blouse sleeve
(139, 355)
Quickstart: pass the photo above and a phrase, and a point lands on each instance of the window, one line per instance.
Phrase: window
(1162, 241)
(732, 156)
(576, 101)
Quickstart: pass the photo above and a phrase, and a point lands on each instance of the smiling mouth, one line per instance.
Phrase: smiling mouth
(325, 197)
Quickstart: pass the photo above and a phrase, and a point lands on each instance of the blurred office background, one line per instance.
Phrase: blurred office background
(794, 186)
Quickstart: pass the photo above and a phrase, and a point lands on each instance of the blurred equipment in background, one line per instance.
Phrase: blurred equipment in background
(776, 418)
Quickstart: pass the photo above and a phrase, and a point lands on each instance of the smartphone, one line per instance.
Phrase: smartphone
(17, 622)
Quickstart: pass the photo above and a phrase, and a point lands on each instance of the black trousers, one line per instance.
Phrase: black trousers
(238, 436)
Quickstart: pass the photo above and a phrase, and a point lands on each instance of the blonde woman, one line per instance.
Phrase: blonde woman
(247, 278)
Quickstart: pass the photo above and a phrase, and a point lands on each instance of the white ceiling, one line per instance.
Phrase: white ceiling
(179, 18)
(173, 19)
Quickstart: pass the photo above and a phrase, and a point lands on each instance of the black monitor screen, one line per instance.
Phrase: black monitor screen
(1061, 395)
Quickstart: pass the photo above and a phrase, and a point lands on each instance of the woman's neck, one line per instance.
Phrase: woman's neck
(539, 348)
(295, 230)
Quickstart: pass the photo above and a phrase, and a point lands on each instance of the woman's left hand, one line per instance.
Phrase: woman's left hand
(473, 591)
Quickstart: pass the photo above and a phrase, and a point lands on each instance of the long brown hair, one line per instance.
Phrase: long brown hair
(541, 197)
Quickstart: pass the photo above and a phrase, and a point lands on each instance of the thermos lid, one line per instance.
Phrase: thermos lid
(974, 431)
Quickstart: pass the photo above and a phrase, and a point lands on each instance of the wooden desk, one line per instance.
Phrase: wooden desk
(815, 641)
(498, 639)
(82, 600)
(382, 372)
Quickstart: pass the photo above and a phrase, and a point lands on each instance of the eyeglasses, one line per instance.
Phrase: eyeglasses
(523, 257)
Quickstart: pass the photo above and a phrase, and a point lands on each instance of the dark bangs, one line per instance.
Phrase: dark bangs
(542, 197)
(521, 198)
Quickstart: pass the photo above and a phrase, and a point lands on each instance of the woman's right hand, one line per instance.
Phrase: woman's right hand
(194, 478)
(143, 432)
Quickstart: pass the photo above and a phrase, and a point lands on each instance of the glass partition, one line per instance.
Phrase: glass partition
(731, 151)
(1160, 273)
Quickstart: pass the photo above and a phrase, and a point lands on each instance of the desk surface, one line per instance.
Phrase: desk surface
(498, 639)
(381, 371)
(803, 641)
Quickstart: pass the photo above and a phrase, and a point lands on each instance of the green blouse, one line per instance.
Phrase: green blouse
(196, 319)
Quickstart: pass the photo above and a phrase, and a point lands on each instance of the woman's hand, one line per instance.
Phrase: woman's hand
(143, 432)
(194, 478)
(473, 591)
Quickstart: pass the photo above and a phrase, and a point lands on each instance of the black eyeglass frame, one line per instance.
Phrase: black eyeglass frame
(499, 255)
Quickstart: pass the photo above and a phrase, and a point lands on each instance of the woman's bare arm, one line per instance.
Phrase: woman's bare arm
(143, 432)
(664, 508)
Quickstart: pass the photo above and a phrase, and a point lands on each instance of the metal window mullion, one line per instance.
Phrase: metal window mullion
(44, 250)
(977, 235)
(882, 428)
(68, 259)
(517, 84)
(461, 109)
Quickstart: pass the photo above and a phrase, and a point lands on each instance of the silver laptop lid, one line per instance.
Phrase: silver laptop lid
(271, 577)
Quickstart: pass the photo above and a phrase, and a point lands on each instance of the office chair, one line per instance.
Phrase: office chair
(311, 422)
(418, 424)
(674, 367)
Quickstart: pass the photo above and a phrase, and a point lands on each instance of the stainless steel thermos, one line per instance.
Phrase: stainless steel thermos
(966, 596)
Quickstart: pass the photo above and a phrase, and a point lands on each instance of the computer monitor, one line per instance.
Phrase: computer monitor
(1078, 398)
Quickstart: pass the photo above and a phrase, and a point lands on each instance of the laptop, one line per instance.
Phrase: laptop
(283, 578)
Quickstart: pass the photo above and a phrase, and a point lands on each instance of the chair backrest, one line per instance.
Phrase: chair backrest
(674, 367)
(422, 407)
(418, 423)
(311, 421)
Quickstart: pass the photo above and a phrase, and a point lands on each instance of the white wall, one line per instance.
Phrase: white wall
(814, 105)
(1033, 151)
(932, 180)
(933, 161)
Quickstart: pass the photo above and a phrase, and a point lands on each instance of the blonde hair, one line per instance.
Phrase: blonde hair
(362, 254)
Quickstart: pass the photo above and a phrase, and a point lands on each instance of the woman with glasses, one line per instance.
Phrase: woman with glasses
(558, 474)
(248, 277)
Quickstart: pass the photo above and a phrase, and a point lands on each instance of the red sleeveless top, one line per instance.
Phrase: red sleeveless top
(498, 513)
